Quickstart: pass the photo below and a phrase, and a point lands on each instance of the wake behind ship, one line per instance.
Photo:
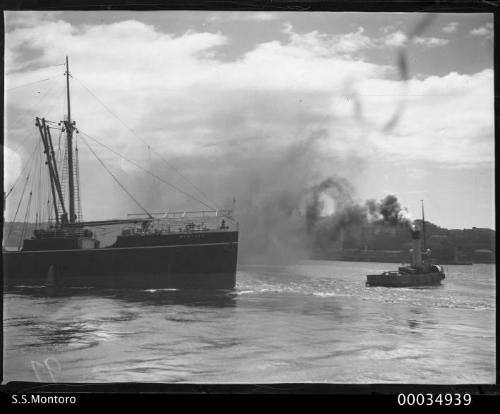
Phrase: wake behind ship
(169, 249)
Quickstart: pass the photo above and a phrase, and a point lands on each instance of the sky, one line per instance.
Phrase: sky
(247, 105)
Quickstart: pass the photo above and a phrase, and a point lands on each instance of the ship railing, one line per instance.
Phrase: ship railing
(183, 214)
(169, 226)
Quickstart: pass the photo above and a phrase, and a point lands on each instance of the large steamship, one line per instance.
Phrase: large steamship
(169, 249)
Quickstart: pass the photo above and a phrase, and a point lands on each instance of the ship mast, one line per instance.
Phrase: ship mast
(55, 183)
(423, 224)
(69, 134)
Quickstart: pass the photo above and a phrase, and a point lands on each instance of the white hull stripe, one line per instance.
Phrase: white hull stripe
(105, 249)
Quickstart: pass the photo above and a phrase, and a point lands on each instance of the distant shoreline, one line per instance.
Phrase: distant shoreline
(459, 263)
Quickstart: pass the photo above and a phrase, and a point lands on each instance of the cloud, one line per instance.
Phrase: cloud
(352, 42)
(449, 119)
(400, 39)
(430, 41)
(330, 44)
(28, 18)
(395, 39)
(272, 87)
(12, 167)
(486, 31)
(450, 27)
(244, 16)
(388, 29)
(212, 117)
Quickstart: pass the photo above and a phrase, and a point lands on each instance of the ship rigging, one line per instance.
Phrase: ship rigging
(169, 248)
(62, 210)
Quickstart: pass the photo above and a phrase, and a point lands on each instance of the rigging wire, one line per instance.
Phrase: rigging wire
(39, 195)
(42, 191)
(35, 106)
(116, 179)
(28, 162)
(25, 222)
(58, 155)
(45, 193)
(77, 176)
(33, 183)
(148, 146)
(30, 83)
(146, 170)
(19, 205)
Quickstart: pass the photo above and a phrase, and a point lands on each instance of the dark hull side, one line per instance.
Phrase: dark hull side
(187, 266)
(405, 280)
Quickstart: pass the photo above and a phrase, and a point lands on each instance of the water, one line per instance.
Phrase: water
(309, 322)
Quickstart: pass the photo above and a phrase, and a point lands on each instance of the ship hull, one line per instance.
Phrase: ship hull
(405, 280)
(187, 266)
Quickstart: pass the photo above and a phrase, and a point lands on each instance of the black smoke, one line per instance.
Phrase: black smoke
(391, 211)
(338, 188)
(350, 219)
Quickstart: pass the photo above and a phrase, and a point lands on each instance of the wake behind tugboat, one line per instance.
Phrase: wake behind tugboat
(313, 321)
(170, 249)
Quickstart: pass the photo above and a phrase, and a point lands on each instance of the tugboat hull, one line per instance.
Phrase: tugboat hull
(189, 266)
(393, 279)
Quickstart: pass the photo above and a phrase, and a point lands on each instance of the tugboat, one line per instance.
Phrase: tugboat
(421, 272)
(169, 249)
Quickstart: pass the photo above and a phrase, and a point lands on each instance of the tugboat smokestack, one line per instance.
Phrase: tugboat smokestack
(420, 273)
(416, 252)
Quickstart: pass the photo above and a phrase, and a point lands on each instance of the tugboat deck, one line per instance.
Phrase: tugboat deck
(396, 279)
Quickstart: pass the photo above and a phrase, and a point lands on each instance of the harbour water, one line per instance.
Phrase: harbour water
(313, 321)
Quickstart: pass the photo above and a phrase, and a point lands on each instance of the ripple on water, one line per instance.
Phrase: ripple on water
(313, 322)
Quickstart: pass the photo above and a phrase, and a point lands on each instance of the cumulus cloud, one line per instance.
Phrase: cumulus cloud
(397, 38)
(450, 27)
(244, 16)
(449, 119)
(311, 90)
(430, 41)
(400, 39)
(486, 31)
(12, 167)
(323, 44)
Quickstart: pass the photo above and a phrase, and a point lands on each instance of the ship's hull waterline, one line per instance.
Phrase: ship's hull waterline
(187, 266)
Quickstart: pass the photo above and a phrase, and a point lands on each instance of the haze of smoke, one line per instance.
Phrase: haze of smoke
(269, 187)
(281, 220)
(271, 191)
(278, 206)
